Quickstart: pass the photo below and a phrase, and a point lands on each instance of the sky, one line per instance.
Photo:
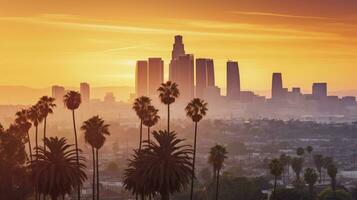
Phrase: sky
(45, 42)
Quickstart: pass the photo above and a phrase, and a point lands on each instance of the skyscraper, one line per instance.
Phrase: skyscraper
(177, 51)
(233, 80)
(204, 75)
(277, 86)
(185, 76)
(155, 75)
(85, 92)
(210, 73)
(319, 90)
(141, 78)
(58, 93)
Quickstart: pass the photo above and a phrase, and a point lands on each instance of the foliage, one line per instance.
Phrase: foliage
(329, 194)
(196, 109)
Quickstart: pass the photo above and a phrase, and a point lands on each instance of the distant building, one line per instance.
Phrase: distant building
(141, 78)
(319, 90)
(210, 73)
(155, 75)
(109, 97)
(277, 86)
(177, 51)
(204, 75)
(212, 94)
(58, 93)
(85, 92)
(233, 80)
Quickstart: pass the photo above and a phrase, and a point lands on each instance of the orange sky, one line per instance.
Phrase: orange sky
(44, 42)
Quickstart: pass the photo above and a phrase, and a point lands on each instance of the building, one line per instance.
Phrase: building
(109, 98)
(210, 73)
(155, 75)
(233, 80)
(319, 90)
(58, 93)
(178, 50)
(85, 92)
(277, 91)
(141, 78)
(185, 76)
(204, 75)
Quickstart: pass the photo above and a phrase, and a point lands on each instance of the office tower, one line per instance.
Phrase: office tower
(58, 93)
(204, 75)
(185, 76)
(319, 90)
(85, 92)
(296, 90)
(141, 78)
(277, 86)
(233, 80)
(177, 51)
(155, 75)
(210, 73)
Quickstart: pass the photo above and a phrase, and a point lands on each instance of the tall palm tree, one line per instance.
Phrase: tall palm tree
(327, 162)
(168, 92)
(300, 151)
(297, 165)
(332, 172)
(46, 105)
(95, 131)
(319, 162)
(23, 122)
(140, 106)
(310, 177)
(276, 169)
(151, 118)
(162, 167)
(54, 171)
(284, 161)
(72, 101)
(196, 109)
(216, 158)
(34, 115)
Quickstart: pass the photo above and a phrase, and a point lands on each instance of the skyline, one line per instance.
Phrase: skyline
(101, 49)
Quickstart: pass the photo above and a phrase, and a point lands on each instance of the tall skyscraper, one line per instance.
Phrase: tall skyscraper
(233, 80)
(319, 90)
(277, 86)
(85, 92)
(210, 73)
(204, 75)
(141, 78)
(185, 76)
(177, 51)
(58, 93)
(155, 75)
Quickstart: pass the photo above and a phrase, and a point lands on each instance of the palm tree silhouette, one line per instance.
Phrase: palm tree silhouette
(151, 118)
(310, 177)
(196, 109)
(276, 169)
(296, 165)
(72, 100)
(332, 172)
(54, 171)
(46, 105)
(216, 158)
(168, 92)
(23, 122)
(95, 131)
(319, 162)
(162, 167)
(34, 115)
(140, 106)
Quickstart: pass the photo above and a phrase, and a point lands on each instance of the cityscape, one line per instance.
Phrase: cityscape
(230, 100)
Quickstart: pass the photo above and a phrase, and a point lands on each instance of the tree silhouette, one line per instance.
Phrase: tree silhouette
(95, 131)
(300, 151)
(140, 106)
(196, 109)
(46, 105)
(332, 172)
(151, 118)
(319, 162)
(34, 115)
(216, 158)
(168, 92)
(55, 171)
(276, 169)
(72, 101)
(310, 178)
(296, 164)
(23, 122)
(162, 167)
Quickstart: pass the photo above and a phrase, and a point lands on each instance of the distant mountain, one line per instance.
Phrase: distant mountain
(22, 95)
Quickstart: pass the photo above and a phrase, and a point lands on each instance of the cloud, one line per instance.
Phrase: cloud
(267, 14)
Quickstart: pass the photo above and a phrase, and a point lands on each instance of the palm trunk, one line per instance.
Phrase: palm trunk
(311, 192)
(217, 186)
(320, 173)
(97, 174)
(168, 118)
(141, 134)
(93, 186)
(36, 141)
(44, 133)
(193, 161)
(274, 188)
(77, 153)
(30, 148)
(149, 134)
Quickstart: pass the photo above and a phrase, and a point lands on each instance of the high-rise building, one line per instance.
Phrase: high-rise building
(141, 78)
(58, 93)
(85, 92)
(155, 75)
(210, 73)
(185, 75)
(233, 80)
(277, 86)
(177, 51)
(204, 75)
(319, 90)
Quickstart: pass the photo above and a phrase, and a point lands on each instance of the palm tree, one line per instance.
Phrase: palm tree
(46, 105)
(300, 151)
(162, 167)
(296, 164)
(140, 107)
(284, 161)
(168, 92)
(327, 162)
(216, 158)
(54, 171)
(95, 131)
(34, 115)
(332, 172)
(276, 169)
(72, 101)
(319, 162)
(23, 122)
(196, 109)
(310, 177)
(151, 119)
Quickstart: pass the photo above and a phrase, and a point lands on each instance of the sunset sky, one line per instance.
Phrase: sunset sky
(45, 42)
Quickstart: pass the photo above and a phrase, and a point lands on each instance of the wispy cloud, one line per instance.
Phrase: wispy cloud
(268, 14)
